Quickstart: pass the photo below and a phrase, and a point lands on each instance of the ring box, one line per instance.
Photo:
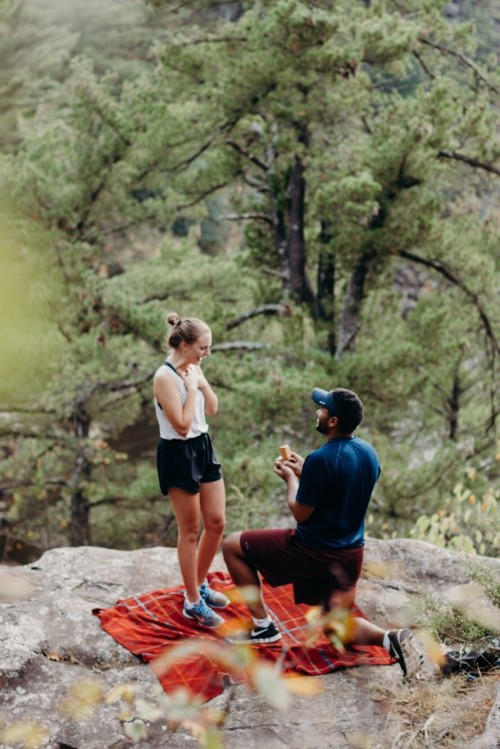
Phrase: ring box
(285, 452)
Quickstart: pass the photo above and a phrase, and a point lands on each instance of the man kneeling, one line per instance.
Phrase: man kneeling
(328, 495)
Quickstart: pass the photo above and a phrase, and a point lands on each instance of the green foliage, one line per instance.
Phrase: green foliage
(463, 619)
(489, 582)
(467, 521)
(33, 52)
(451, 624)
(29, 339)
(115, 35)
(372, 103)
(139, 516)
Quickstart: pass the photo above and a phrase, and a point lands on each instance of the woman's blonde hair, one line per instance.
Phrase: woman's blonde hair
(187, 330)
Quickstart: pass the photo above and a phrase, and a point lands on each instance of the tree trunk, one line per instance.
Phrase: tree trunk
(454, 407)
(349, 325)
(80, 525)
(298, 283)
(79, 522)
(326, 275)
(279, 237)
(325, 304)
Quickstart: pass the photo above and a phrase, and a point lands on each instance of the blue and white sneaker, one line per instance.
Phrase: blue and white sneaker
(202, 614)
(213, 598)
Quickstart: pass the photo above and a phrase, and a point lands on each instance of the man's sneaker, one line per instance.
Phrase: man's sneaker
(404, 648)
(257, 635)
(203, 615)
(213, 598)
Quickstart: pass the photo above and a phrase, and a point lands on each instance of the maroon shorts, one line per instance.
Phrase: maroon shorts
(282, 558)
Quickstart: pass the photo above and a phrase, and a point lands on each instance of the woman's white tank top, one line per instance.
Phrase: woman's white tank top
(198, 425)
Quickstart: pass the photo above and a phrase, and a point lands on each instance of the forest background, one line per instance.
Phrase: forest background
(319, 181)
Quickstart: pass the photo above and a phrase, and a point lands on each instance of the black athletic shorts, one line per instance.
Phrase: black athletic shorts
(187, 463)
(281, 558)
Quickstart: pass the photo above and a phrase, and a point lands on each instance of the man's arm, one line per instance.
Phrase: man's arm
(300, 512)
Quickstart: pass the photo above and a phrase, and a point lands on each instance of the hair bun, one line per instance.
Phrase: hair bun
(173, 319)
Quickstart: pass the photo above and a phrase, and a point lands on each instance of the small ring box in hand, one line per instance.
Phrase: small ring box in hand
(285, 452)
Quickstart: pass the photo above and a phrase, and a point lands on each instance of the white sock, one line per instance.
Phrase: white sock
(387, 643)
(190, 604)
(262, 623)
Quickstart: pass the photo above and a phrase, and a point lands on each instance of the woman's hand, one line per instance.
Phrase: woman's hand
(202, 380)
(191, 377)
(211, 400)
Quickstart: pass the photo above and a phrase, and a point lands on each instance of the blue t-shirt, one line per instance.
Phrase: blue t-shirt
(337, 480)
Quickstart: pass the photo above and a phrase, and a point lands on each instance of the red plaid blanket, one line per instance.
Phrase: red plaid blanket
(152, 624)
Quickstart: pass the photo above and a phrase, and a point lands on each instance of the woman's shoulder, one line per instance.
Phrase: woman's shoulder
(165, 373)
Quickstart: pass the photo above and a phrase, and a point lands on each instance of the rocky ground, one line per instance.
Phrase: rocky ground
(58, 668)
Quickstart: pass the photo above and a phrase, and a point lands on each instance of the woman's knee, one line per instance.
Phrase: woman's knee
(189, 533)
(215, 525)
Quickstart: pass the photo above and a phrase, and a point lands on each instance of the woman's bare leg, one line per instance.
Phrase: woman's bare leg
(213, 506)
(186, 509)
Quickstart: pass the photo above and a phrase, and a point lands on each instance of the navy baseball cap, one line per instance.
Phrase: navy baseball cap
(325, 399)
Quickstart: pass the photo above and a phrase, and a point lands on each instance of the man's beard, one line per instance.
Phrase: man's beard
(321, 428)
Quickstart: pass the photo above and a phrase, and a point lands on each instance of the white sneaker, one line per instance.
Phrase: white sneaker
(404, 648)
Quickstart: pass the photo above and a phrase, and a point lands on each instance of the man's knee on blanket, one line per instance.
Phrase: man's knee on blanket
(337, 610)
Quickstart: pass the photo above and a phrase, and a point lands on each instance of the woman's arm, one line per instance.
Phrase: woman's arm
(211, 400)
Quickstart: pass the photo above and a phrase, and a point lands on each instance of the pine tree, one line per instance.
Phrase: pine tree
(357, 145)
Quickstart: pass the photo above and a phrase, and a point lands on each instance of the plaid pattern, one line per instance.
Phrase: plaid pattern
(150, 624)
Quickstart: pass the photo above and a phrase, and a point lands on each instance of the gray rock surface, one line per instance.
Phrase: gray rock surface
(51, 644)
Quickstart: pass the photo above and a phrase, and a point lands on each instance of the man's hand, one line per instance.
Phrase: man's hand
(282, 469)
(286, 470)
(295, 462)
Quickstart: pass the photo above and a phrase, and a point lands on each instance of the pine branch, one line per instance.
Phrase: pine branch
(110, 123)
(468, 160)
(154, 498)
(367, 125)
(452, 276)
(184, 163)
(264, 309)
(463, 59)
(424, 67)
(124, 386)
(7, 486)
(247, 155)
(272, 272)
(201, 196)
(247, 217)
(239, 345)
(255, 184)
(211, 40)
(29, 434)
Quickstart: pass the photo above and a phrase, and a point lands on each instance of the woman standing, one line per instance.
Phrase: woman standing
(188, 469)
